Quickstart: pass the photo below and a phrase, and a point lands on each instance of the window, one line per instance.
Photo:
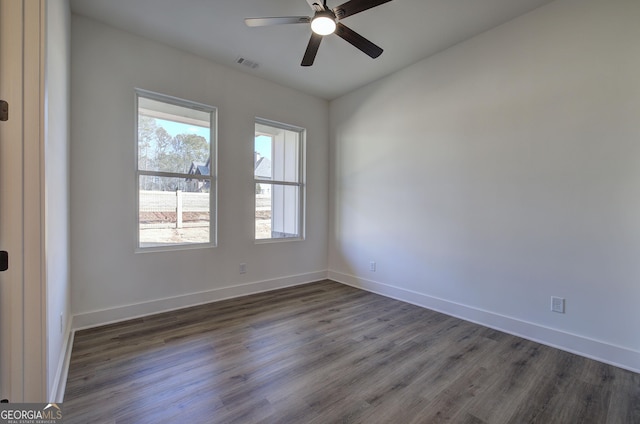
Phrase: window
(176, 170)
(279, 181)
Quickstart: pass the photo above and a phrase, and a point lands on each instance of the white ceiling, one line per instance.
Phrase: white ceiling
(407, 30)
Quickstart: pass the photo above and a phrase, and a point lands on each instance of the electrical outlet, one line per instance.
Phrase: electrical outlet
(557, 304)
(372, 266)
(243, 268)
(61, 323)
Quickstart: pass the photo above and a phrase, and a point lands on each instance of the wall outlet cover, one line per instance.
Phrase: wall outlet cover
(557, 304)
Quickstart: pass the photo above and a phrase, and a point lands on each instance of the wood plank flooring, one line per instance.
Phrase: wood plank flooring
(329, 353)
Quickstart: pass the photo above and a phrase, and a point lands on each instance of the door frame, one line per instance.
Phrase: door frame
(23, 58)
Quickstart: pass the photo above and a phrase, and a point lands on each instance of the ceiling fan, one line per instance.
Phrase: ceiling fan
(326, 21)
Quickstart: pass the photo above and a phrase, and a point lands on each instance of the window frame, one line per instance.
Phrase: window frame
(212, 177)
(300, 184)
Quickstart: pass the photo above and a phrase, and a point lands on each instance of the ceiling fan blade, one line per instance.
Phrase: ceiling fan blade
(312, 50)
(256, 22)
(358, 40)
(356, 6)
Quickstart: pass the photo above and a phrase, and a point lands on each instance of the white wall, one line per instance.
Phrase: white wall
(56, 165)
(500, 172)
(109, 280)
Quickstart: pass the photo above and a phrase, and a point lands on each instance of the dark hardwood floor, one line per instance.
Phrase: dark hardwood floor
(329, 353)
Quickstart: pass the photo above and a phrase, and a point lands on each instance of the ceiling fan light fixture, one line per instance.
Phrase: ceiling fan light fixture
(323, 23)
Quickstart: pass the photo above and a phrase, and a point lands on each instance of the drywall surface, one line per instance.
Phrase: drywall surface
(503, 171)
(56, 164)
(106, 273)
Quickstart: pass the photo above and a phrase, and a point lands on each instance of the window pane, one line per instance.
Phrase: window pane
(277, 211)
(172, 213)
(263, 211)
(263, 150)
(173, 138)
(277, 153)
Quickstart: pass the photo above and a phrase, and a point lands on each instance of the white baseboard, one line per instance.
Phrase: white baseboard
(614, 355)
(122, 313)
(59, 383)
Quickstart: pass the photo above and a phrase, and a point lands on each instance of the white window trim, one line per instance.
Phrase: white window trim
(213, 195)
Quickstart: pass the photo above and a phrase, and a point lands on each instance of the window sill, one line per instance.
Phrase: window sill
(174, 247)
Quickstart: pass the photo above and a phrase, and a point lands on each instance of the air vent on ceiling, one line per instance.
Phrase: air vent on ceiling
(247, 62)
